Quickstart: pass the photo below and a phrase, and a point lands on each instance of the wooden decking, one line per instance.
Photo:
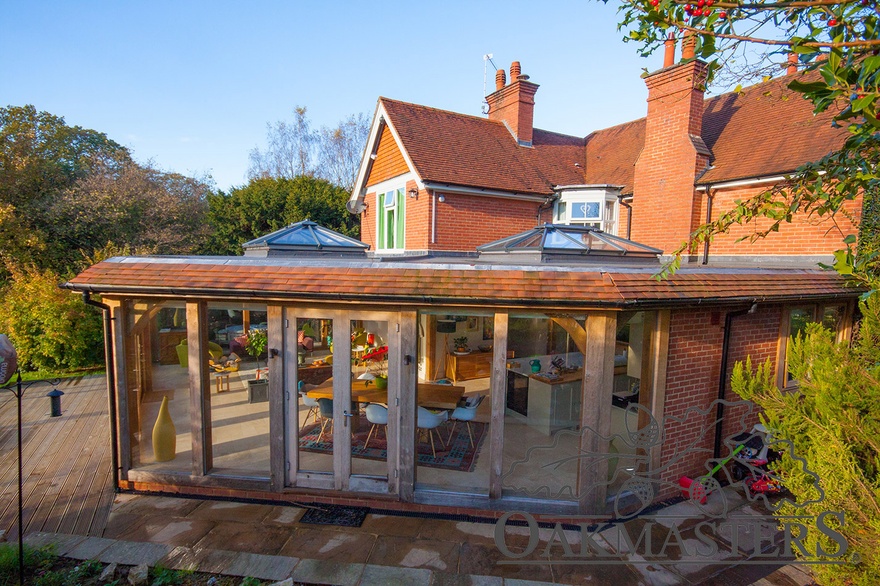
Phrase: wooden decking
(67, 481)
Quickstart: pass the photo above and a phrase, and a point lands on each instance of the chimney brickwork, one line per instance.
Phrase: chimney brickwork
(665, 206)
(514, 104)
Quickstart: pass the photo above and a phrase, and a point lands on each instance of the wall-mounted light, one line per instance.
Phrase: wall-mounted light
(413, 192)
(441, 199)
(373, 156)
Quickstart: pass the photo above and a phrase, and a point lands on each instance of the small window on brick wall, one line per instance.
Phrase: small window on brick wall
(794, 324)
(391, 219)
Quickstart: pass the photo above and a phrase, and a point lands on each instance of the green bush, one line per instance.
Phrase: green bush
(35, 560)
(833, 422)
(51, 328)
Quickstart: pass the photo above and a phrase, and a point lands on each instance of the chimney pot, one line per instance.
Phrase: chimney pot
(669, 55)
(515, 70)
(792, 64)
(500, 79)
(688, 46)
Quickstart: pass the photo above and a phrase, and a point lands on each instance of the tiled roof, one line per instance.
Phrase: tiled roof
(764, 130)
(373, 282)
(612, 154)
(446, 147)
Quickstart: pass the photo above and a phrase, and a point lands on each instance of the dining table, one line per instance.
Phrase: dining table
(430, 395)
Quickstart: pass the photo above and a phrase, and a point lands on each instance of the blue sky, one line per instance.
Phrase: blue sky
(191, 85)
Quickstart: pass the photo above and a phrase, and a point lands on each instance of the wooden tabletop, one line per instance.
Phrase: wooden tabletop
(430, 395)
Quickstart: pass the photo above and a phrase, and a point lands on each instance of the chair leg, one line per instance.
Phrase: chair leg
(372, 429)
(470, 434)
(324, 426)
(431, 435)
(451, 433)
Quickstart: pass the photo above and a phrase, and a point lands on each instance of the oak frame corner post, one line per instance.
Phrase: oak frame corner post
(199, 387)
(119, 315)
(598, 386)
(401, 460)
(498, 395)
(277, 373)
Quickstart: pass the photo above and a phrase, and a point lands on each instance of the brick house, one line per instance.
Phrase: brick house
(501, 347)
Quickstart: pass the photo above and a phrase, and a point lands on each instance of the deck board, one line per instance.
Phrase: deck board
(67, 481)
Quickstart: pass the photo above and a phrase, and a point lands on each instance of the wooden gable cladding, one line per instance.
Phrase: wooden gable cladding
(389, 161)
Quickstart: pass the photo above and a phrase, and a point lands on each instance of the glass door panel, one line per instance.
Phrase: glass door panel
(369, 393)
(313, 421)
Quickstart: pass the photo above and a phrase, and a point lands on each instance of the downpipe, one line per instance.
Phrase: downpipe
(111, 383)
(722, 378)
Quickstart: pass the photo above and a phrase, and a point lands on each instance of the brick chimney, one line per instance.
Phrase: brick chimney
(665, 207)
(514, 103)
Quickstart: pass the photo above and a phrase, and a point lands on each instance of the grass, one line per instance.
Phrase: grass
(43, 567)
(62, 374)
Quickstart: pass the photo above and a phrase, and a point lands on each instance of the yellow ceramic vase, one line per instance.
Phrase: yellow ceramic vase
(164, 435)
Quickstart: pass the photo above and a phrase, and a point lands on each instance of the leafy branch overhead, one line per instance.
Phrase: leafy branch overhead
(837, 47)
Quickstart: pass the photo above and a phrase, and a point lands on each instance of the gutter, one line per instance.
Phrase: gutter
(450, 188)
(111, 383)
(742, 182)
(722, 378)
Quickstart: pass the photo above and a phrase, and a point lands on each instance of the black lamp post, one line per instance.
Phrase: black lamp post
(18, 391)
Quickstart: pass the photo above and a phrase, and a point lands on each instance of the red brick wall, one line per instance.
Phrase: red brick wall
(665, 170)
(804, 236)
(693, 368)
(466, 221)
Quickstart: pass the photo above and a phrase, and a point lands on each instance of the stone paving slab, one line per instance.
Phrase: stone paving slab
(62, 542)
(446, 579)
(180, 558)
(392, 576)
(89, 548)
(135, 553)
(264, 567)
(323, 572)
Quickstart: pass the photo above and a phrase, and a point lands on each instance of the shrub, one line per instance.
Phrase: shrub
(51, 328)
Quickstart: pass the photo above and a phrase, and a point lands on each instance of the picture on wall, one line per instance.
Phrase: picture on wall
(473, 324)
(488, 328)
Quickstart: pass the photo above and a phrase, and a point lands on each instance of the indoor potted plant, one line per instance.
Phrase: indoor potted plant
(258, 388)
(461, 344)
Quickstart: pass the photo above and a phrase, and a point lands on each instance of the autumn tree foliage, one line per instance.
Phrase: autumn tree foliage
(836, 45)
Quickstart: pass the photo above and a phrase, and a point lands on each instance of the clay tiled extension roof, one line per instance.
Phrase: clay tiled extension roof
(446, 147)
(495, 285)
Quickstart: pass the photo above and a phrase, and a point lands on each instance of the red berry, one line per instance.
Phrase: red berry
(710, 2)
(832, 22)
(689, 9)
(655, 2)
(722, 15)
(701, 3)
(707, 11)
(698, 12)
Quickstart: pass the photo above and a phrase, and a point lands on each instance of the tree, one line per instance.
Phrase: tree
(129, 204)
(834, 423)
(50, 328)
(294, 149)
(268, 204)
(41, 156)
(837, 45)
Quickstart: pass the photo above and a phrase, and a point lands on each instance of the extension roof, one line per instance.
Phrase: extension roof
(472, 283)
(762, 131)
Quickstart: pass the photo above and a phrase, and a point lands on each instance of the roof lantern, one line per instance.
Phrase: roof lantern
(569, 243)
(305, 238)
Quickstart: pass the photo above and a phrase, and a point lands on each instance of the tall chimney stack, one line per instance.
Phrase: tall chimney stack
(792, 64)
(669, 54)
(514, 104)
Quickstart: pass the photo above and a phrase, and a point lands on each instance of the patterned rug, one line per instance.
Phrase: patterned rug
(457, 456)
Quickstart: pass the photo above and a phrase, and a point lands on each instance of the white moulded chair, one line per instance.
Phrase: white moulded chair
(428, 422)
(466, 413)
(377, 415)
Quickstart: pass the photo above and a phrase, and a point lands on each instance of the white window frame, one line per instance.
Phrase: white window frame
(606, 199)
(381, 189)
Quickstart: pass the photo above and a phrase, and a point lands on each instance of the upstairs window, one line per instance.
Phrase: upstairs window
(595, 208)
(391, 219)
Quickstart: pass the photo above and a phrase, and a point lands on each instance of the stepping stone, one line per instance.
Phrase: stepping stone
(323, 572)
(90, 548)
(264, 567)
(135, 553)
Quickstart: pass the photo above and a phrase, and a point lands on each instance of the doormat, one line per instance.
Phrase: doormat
(334, 515)
(459, 455)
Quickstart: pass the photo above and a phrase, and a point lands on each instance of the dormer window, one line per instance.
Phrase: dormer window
(591, 206)
(391, 219)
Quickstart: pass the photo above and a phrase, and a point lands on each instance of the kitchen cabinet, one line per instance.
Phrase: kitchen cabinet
(555, 403)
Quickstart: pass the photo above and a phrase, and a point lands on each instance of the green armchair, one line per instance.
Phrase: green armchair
(214, 350)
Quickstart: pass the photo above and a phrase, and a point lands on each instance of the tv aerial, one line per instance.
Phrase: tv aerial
(487, 58)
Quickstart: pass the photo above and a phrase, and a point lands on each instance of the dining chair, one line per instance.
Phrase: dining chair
(325, 408)
(427, 422)
(314, 408)
(377, 415)
(465, 413)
